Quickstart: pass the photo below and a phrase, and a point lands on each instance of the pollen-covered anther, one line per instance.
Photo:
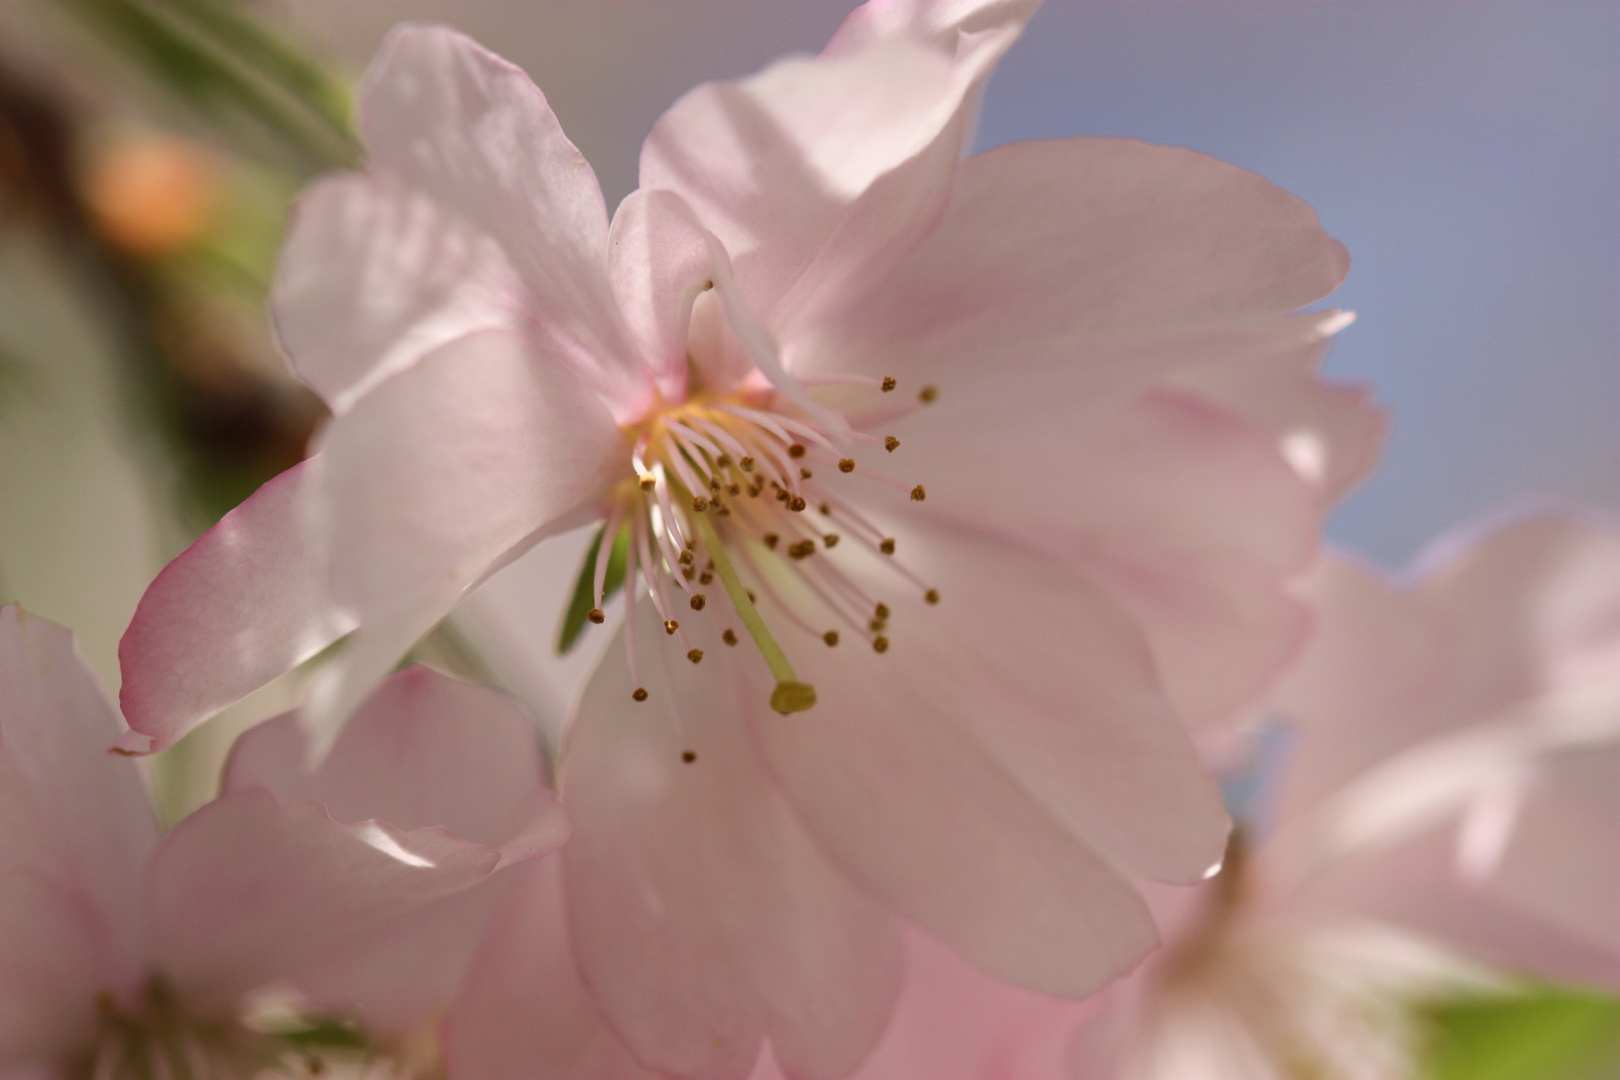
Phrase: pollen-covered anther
(688, 573)
(928, 395)
(698, 600)
(877, 626)
(685, 558)
(714, 484)
(695, 655)
(805, 474)
(881, 611)
(890, 443)
(734, 490)
(831, 540)
(846, 464)
(596, 616)
(830, 637)
(888, 383)
(723, 461)
(746, 464)
(688, 756)
(887, 545)
(771, 540)
(670, 626)
(801, 550)
(932, 596)
(796, 451)
(705, 577)
(880, 644)
(700, 504)
(797, 504)
(648, 482)
(825, 508)
(729, 637)
(639, 694)
(918, 493)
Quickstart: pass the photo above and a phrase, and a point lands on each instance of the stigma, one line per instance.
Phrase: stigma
(743, 490)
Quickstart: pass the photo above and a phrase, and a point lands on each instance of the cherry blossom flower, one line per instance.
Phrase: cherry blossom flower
(993, 468)
(296, 909)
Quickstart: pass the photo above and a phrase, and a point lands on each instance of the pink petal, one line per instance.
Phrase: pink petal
(245, 603)
(704, 916)
(373, 276)
(248, 891)
(817, 173)
(1331, 433)
(441, 475)
(73, 813)
(423, 751)
(471, 131)
(1065, 248)
(997, 771)
(50, 970)
(523, 1010)
(951, 25)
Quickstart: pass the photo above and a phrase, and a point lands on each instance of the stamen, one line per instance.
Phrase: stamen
(688, 756)
(697, 601)
(890, 443)
(831, 540)
(887, 546)
(846, 465)
(805, 474)
(790, 695)
(596, 616)
(796, 451)
(639, 694)
(928, 395)
(746, 463)
(881, 611)
(932, 596)
(888, 384)
(830, 637)
(880, 644)
(670, 626)
(797, 503)
(729, 637)
(918, 494)
(695, 655)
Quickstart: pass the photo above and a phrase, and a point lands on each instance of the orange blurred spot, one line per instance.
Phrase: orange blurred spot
(154, 194)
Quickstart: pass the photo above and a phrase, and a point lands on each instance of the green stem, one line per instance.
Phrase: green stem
(791, 695)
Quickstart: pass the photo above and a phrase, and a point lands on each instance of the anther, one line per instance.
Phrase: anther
(830, 637)
(648, 483)
(723, 461)
(685, 558)
(797, 503)
(723, 511)
(700, 504)
(688, 573)
(698, 600)
(688, 756)
(881, 611)
(796, 451)
(887, 546)
(803, 549)
(734, 489)
(928, 394)
(596, 616)
(746, 464)
(889, 383)
(695, 655)
(729, 637)
(825, 509)
(932, 596)
(918, 494)
(846, 464)
(831, 540)
(782, 494)
(715, 484)
(880, 644)
(708, 284)
(877, 626)
(670, 626)
(890, 443)
(639, 694)
(752, 599)
(705, 577)
(805, 474)
(792, 697)
(771, 540)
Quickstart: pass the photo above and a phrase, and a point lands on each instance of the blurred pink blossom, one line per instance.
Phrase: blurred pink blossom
(1110, 455)
(358, 892)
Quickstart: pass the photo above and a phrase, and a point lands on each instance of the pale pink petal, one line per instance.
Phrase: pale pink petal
(72, 812)
(704, 915)
(1069, 249)
(950, 25)
(373, 276)
(248, 891)
(245, 603)
(1188, 515)
(817, 173)
(441, 475)
(424, 750)
(471, 130)
(1331, 433)
(1000, 767)
(523, 1011)
(50, 970)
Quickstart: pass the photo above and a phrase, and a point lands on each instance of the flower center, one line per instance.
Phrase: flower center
(744, 491)
(154, 1037)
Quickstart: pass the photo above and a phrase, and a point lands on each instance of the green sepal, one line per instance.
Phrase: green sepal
(573, 622)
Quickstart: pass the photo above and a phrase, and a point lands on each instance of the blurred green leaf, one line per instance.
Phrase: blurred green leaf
(16, 377)
(1548, 1034)
(573, 623)
(223, 63)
